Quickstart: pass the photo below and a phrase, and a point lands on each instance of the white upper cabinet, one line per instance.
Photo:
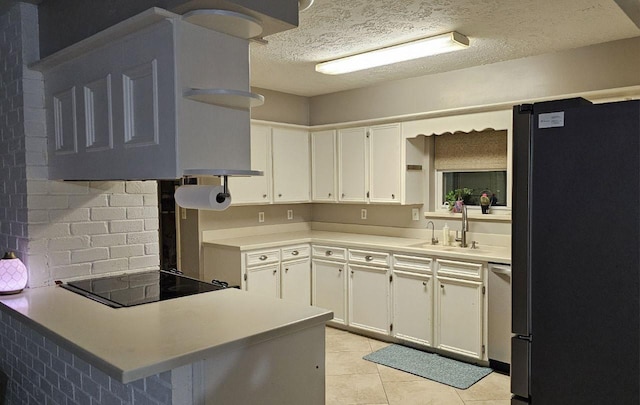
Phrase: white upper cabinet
(384, 162)
(119, 106)
(291, 165)
(353, 169)
(255, 189)
(371, 166)
(323, 166)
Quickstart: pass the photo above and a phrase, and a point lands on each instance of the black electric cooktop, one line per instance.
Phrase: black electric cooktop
(127, 290)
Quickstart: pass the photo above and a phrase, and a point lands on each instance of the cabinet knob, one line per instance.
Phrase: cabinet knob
(286, 270)
(393, 196)
(343, 195)
(263, 257)
(424, 283)
(339, 270)
(329, 253)
(295, 253)
(274, 272)
(279, 195)
(368, 258)
(352, 272)
(329, 194)
(264, 196)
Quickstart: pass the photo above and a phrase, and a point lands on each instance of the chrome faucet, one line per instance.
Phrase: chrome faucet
(434, 240)
(465, 227)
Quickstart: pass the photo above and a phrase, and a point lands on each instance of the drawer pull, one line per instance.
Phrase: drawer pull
(424, 283)
(263, 257)
(368, 258)
(295, 253)
(329, 253)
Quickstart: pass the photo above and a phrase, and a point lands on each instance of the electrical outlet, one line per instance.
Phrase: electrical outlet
(415, 214)
(260, 216)
(363, 213)
(289, 214)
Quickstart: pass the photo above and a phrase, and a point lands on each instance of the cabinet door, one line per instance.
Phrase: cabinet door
(264, 280)
(459, 317)
(369, 298)
(352, 168)
(255, 189)
(291, 165)
(323, 166)
(384, 161)
(413, 307)
(329, 288)
(295, 277)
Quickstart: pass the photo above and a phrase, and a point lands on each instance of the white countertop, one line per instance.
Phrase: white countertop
(136, 342)
(484, 253)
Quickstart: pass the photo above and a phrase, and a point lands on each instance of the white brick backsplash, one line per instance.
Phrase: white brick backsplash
(74, 215)
(71, 243)
(109, 240)
(59, 258)
(109, 266)
(49, 230)
(37, 187)
(125, 200)
(142, 237)
(89, 228)
(107, 187)
(71, 271)
(68, 187)
(40, 202)
(130, 225)
(89, 255)
(143, 262)
(108, 213)
(141, 187)
(151, 224)
(90, 201)
(152, 248)
(142, 212)
(151, 200)
(37, 172)
(126, 251)
(36, 158)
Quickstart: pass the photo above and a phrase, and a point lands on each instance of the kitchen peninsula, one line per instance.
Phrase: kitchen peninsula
(225, 346)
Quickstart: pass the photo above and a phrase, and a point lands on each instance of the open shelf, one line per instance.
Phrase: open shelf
(239, 99)
(228, 22)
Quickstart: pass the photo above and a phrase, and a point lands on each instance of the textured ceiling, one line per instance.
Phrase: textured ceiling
(498, 30)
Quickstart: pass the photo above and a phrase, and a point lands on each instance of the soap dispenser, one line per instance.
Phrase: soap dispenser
(445, 235)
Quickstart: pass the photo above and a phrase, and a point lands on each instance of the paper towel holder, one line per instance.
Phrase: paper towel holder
(224, 175)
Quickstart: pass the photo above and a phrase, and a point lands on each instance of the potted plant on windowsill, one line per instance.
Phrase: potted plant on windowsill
(459, 194)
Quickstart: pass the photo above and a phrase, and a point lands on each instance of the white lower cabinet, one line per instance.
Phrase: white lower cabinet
(369, 291)
(295, 281)
(264, 280)
(413, 299)
(460, 307)
(329, 272)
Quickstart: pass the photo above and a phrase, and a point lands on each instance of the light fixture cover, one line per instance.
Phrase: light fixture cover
(451, 41)
(13, 274)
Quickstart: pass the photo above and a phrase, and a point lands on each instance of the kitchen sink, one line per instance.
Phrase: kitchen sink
(456, 249)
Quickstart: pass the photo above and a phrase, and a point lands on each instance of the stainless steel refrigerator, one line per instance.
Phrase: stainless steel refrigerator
(576, 253)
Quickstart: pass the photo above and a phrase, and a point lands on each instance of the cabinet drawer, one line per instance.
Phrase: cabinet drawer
(330, 252)
(368, 257)
(412, 263)
(295, 252)
(260, 257)
(460, 269)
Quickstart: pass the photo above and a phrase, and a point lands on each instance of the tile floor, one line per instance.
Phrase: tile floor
(352, 380)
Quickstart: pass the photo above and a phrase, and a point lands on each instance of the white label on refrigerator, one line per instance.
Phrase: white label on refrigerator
(551, 120)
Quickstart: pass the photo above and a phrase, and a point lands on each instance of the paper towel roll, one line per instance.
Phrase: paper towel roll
(202, 197)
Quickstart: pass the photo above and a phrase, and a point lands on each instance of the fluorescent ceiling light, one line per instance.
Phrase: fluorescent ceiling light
(448, 42)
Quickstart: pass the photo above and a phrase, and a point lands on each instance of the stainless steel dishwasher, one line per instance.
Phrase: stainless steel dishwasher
(499, 316)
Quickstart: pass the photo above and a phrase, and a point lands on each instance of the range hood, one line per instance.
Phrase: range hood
(157, 96)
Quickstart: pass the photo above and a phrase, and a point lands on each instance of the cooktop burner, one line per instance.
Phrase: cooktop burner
(127, 290)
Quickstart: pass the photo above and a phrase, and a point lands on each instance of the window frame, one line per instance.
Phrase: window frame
(439, 194)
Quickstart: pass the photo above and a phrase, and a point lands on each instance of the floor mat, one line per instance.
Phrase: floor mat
(428, 365)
